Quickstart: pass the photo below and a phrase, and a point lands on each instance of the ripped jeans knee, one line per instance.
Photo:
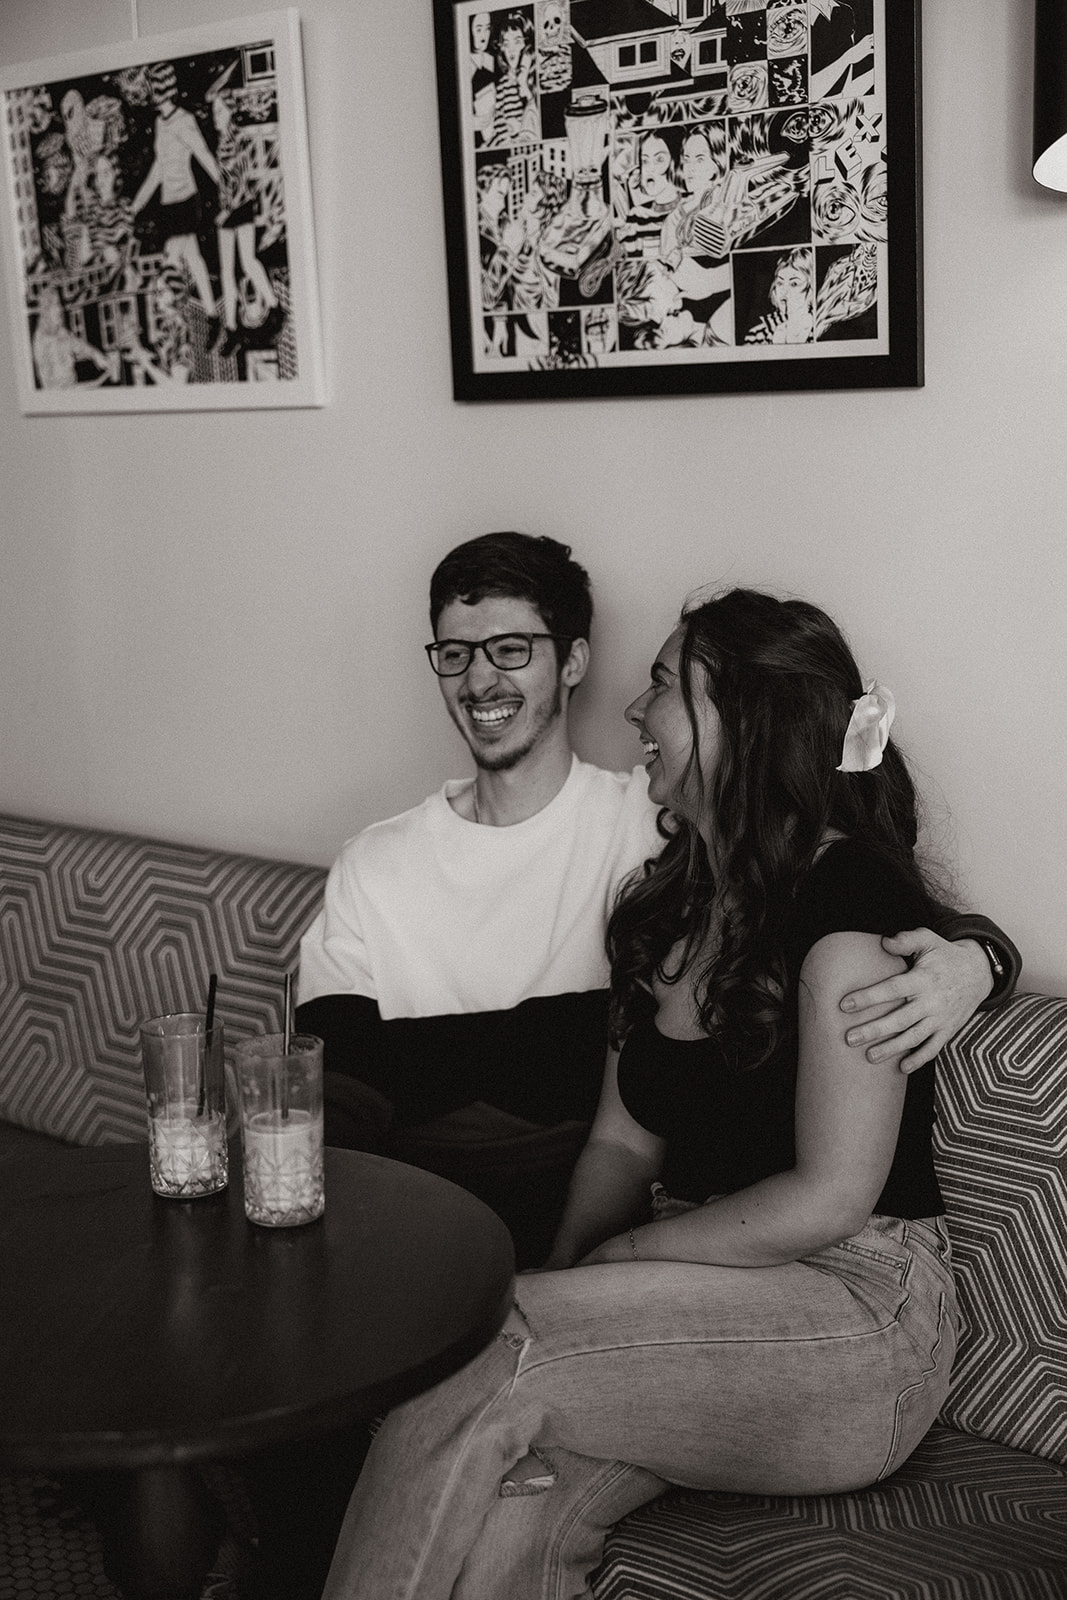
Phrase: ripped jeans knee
(516, 1333)
(533, 1473)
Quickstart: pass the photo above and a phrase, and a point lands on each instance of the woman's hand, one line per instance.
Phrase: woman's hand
(612, 1251)
(610, 1183)
(942, 989)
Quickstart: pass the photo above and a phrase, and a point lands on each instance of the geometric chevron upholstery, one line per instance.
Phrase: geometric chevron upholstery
(966, 1517)
(1001, 1153)
(101, 930)
(960, 1520)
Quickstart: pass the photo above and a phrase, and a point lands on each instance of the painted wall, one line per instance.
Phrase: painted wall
(210, 624)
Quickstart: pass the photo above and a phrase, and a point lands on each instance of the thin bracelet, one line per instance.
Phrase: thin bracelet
(633, 1246)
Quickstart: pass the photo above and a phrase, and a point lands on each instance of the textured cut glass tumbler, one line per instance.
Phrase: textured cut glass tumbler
(281, 1128)
(185, 1088)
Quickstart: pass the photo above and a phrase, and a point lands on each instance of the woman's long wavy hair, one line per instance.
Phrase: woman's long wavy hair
(782, 679)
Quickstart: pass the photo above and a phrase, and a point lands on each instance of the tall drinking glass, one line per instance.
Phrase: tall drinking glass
(185, 1087)
(281, 1128)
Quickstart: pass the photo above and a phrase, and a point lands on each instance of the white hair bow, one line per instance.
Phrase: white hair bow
(868, 729)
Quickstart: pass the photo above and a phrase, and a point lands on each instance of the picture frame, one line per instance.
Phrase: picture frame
(654, 197)
(157, 226)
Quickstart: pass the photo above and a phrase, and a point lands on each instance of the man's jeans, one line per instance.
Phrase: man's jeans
(609, 1383)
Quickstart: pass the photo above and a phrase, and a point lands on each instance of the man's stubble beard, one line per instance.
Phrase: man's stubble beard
(489, 761)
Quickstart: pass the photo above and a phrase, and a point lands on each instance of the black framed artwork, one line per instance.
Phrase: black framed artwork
(680, 196)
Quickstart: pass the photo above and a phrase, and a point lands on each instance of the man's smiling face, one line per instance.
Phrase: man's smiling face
(503, 716)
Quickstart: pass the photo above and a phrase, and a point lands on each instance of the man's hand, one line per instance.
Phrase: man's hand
(942, 990)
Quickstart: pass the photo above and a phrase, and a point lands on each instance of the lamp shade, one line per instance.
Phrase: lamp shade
(1050, 93)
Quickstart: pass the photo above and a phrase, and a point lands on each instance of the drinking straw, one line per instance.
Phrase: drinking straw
(209, 1029)
(212, 986)
(288, 1006)
(285, 1046)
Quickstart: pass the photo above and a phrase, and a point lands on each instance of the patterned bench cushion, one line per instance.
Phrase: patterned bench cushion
(961, 1520)
(100, 930)
(1001, 1151)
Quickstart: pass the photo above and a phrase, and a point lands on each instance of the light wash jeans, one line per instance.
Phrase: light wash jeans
(607, 1384)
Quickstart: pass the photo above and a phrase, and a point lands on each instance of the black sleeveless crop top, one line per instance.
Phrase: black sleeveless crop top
(728, 1125)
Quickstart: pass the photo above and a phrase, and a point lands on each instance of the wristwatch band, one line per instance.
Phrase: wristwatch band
(992, 955)
(1004, 959)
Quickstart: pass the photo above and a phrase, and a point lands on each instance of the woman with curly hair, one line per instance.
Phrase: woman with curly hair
(781, 1317)
(515, 113)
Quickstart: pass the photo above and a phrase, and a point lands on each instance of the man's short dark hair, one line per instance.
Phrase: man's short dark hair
(517, 566)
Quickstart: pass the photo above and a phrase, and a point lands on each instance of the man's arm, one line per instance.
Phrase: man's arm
(1003, 957)
(968, 965)
(357, 1115)
(337, 1003)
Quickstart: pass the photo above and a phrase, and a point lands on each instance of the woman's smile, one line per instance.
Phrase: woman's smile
(666, 728)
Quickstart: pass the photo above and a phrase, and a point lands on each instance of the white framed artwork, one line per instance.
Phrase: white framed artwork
(157, 231)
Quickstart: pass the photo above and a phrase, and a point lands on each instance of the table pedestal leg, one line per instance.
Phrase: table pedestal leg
(160, 1530)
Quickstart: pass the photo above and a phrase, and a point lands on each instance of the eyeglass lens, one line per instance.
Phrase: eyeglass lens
(507, 651)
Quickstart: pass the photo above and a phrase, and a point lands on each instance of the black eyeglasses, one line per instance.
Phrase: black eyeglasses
(505, 651)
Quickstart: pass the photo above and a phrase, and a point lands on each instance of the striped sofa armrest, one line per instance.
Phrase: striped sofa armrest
(1001, 1153)
(100, 930)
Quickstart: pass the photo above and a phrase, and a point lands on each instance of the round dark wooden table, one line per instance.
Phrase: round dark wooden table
(139, 1335)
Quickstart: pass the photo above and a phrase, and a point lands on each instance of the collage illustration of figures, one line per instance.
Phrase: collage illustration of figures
(151, 224)
(673, 180)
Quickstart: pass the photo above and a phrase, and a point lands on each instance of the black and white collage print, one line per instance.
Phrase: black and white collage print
(151, 223)
(684, 180)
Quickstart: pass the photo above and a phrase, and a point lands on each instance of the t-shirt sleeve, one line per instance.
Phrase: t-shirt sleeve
(333, 952)
(853, 889)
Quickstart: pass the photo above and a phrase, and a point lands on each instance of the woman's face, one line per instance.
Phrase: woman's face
(662, 719)
(790, 286)
(655, 163)
(511, 44)
(480, 32)
(699, 168)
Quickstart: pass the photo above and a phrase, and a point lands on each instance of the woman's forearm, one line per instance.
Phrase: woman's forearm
(609, 1186)
(779, 1219)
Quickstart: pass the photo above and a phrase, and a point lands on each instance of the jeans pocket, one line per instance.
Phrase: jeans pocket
(866, 1252)
(918, 1405)
(876, 1277)
(931, 1234)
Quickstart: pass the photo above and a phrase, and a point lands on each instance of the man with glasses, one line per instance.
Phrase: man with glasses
(457, 970)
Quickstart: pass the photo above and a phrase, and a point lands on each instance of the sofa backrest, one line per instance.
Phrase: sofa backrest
(1001, 1152)
(99, 931)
